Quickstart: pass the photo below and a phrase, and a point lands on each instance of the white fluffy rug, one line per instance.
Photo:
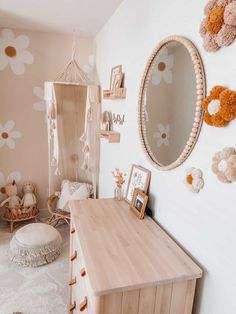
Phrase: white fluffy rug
(41, 290)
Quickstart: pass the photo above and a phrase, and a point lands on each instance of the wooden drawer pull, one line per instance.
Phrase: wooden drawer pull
(72, 230)
(72, 307)
(72, 281)
(82, 272)
(73, 257)
(83, 305)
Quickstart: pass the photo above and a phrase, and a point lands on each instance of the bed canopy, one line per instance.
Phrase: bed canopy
(73, 120)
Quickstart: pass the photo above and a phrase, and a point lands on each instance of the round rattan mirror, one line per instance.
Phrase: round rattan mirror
(171, 93)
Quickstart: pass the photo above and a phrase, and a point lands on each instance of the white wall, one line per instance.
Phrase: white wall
(204, 224)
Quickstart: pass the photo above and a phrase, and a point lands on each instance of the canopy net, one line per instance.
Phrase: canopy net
(73, 120)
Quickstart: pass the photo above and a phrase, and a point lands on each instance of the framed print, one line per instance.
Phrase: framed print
(117, 70)
(139, 178)
(138, 203)
(117, 81)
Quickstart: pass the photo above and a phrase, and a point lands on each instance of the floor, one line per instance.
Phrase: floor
(41, 290)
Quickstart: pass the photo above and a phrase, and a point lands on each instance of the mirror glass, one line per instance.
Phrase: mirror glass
(168, 102)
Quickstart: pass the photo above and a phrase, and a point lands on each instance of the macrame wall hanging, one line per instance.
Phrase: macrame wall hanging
(72, 73)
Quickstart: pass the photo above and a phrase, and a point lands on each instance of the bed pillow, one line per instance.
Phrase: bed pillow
(72, 191)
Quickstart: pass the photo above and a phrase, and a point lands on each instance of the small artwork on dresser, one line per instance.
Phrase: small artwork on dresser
(139, 178)
(138, 203)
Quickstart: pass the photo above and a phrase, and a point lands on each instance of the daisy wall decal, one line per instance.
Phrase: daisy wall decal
(39, 105)
(162, 135)
(13, 52)
(163, 68)
(7, 135)
(14, 175)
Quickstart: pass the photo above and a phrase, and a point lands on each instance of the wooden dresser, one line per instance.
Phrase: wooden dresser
(122, 265)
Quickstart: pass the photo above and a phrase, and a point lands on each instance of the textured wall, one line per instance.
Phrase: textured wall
(27, 59)
(203, 223)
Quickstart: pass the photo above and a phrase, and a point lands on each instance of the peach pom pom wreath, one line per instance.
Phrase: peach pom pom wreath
(220, 106)
(224, 164)
(230, 14)
(218, 28)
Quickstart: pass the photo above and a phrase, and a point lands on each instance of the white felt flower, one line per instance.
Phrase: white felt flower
(162, 68)
(15, 175)
(162, 135)
(39, 93)
(89, 68)
(194, 179)
(13, 52)
(7, 135)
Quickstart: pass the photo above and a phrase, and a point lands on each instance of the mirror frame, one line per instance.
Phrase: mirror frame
(200, 93)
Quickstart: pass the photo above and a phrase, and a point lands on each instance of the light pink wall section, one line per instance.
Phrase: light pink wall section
(50, 52)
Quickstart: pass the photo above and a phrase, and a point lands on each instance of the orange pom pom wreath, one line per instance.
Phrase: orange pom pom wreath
(220, 106)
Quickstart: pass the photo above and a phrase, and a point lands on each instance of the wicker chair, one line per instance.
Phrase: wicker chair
(56, 214)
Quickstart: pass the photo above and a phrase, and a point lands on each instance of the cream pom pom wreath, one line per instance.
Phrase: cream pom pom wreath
(194, 179)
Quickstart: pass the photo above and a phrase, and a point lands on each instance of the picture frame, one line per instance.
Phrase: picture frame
(117, 70)
(139, 203)
(117, 80)
(139, 178)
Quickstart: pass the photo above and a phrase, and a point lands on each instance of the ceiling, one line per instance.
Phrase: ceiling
(61, 16)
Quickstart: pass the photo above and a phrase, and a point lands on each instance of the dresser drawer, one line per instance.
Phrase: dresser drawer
(81, 299)
(82, 303)
(89, 290)
(75, 253)
(78, 295)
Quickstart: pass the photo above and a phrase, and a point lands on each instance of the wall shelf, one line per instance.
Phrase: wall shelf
(111, 136)
(119, 93)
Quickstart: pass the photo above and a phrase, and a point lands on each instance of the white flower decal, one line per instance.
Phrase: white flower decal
(15, 175)
(39, 93)
(194, 179)
(162, 135)
(7, 135)
(13, 52)
(89, 68)
(162, 68)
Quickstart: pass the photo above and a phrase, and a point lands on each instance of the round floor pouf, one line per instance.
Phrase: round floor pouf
(35, 245)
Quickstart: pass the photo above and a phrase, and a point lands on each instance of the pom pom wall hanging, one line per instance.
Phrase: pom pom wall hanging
(224, 165)
(218, 28)
(194, 179)
(220, 106)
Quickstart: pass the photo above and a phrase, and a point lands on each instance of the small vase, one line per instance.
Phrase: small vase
(119, 193)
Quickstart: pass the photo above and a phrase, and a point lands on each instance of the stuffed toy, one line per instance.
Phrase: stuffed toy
(13, 201)
(29, 198)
